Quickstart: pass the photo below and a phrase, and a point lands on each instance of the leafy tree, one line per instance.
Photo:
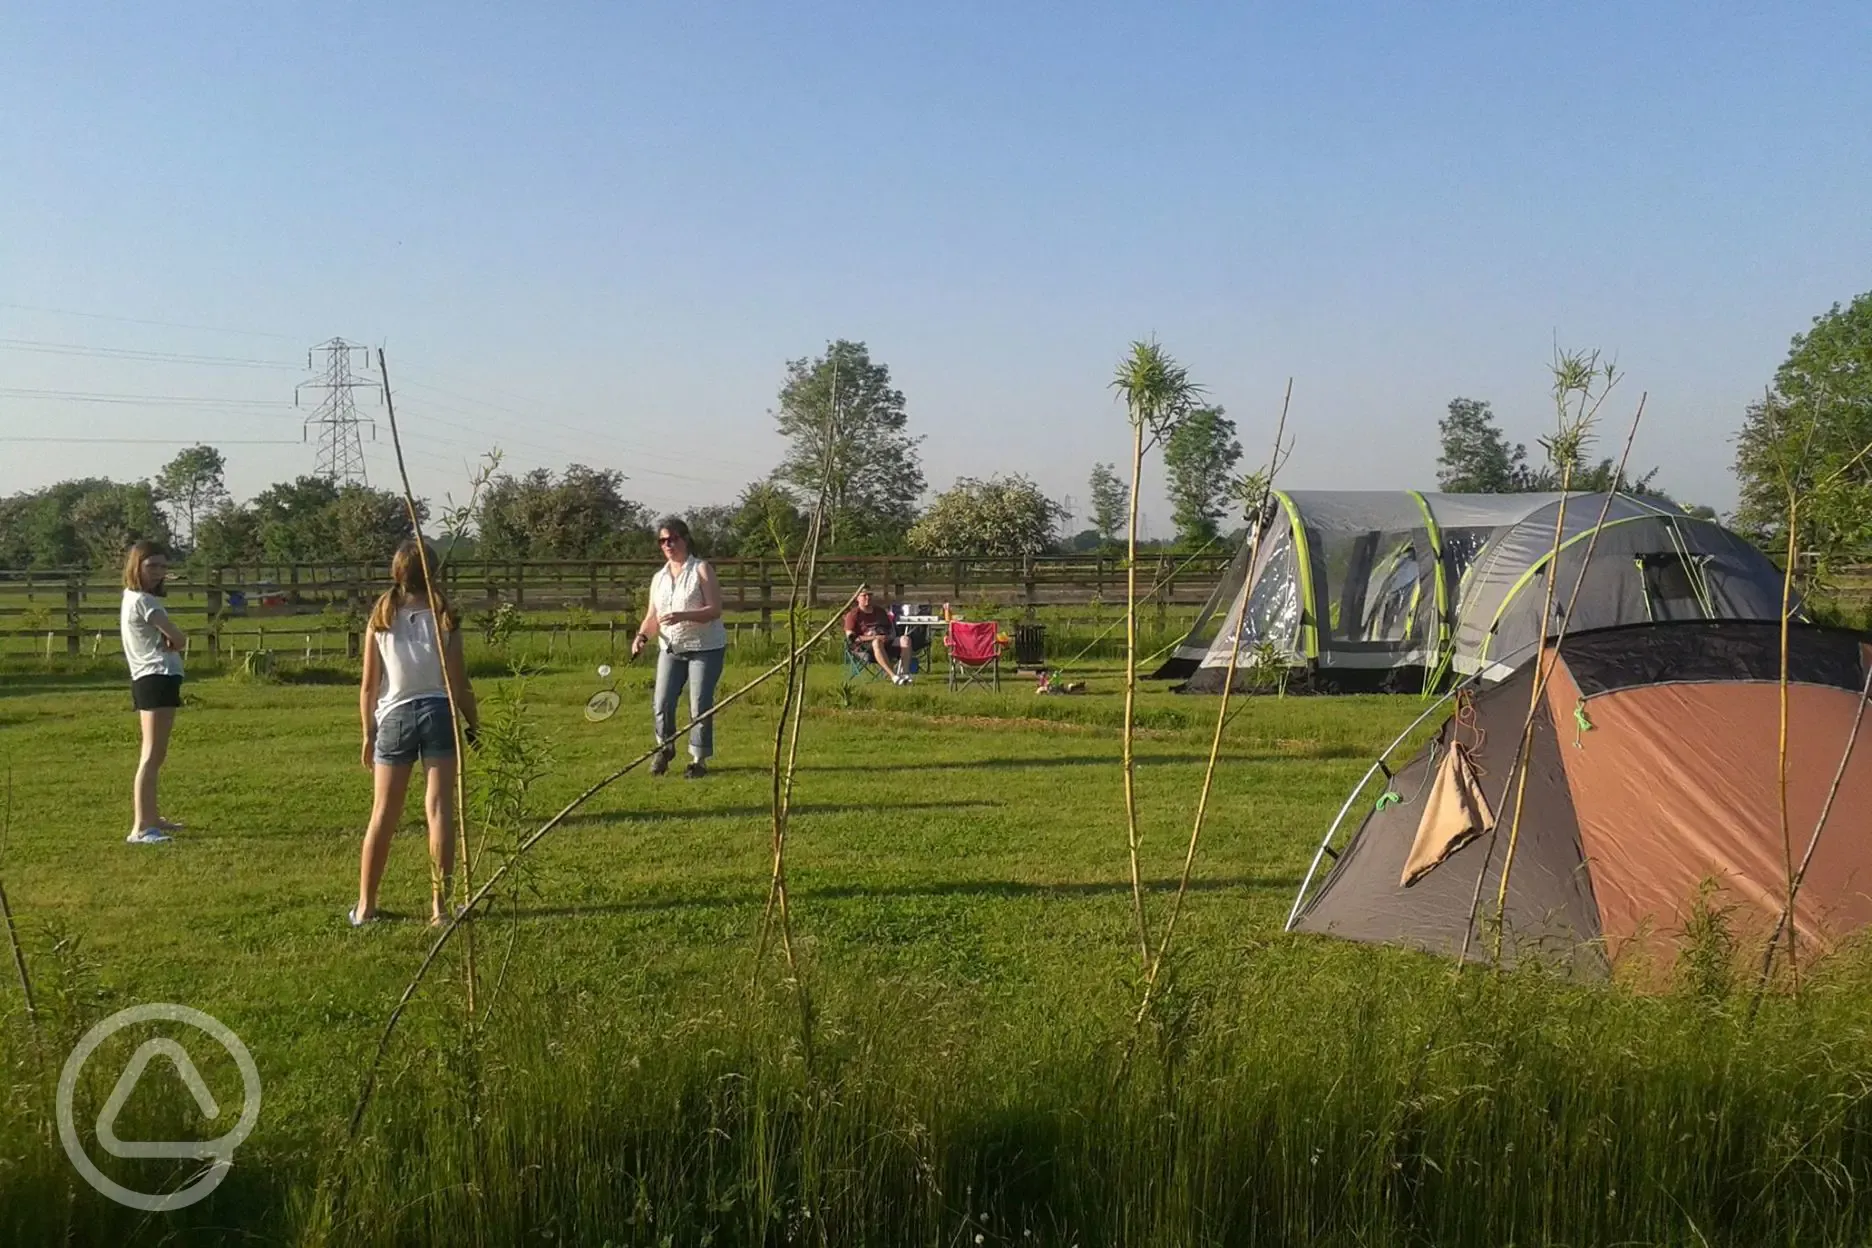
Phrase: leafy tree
(1810, 436)
(713, 528)
(35, 526)
(16, 516)
(106, 521)
(846, 427)
(312, 520)
(1476, 458)
(367, 525)
(581, 514)
(294, 519)
(999, 517)
(1200, 457)
(768, 521)
(86, 522)
(193, 483)
(1110, 499)
(229, 534)
(1597, 479)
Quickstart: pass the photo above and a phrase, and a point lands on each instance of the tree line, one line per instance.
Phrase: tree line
(850, 449)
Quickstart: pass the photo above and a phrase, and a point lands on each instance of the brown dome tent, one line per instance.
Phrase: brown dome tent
(1653, 769)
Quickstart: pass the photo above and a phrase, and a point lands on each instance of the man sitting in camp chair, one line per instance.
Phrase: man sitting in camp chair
(870, 635)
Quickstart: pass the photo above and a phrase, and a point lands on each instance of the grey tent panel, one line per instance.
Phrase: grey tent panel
(1647, 564)
(1550, 914)
(1394, 589)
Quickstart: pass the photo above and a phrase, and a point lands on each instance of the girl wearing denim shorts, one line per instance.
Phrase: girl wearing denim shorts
(404, 705)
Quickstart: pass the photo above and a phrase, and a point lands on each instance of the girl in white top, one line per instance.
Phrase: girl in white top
(152, 646)
(411, 661)
(684, 616)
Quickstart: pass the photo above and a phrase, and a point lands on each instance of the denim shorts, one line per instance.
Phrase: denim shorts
(420, 728)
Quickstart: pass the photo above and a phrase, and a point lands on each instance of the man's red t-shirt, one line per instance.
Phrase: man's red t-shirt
(858, 623)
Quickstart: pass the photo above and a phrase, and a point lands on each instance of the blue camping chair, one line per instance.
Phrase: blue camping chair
(861, 664)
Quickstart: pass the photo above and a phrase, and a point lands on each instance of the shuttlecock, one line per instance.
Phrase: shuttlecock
(604, 671)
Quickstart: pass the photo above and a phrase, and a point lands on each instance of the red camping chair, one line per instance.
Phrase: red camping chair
(974, 648)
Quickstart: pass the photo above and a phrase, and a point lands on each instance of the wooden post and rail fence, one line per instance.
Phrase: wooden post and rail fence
(74, 611)
(71, 611)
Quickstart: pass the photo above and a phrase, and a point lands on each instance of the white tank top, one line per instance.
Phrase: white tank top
(683, 592)
(412, 660)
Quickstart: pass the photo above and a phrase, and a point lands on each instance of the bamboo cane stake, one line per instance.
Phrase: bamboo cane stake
(448, 679)
(1275, 458)
(1543, 670)
(793, 707)
(526, 846)
(1784, 922)
(1786, 917)
(14, 943)
(1130, 694)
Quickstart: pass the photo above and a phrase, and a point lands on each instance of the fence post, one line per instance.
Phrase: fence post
(766, 599)
(213, 599)
(1027, 576)
(519, 575)
(73, 598)
(591, 593)
(955, 594)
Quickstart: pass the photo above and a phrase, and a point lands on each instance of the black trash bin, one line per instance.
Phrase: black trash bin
(1029, 646)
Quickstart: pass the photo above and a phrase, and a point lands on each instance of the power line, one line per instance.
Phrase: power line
(132, 320)
(159, 441)
(533, 415)
(136, 355)
(341, 442)
(423, 415)
(153, 400)
(635, 452)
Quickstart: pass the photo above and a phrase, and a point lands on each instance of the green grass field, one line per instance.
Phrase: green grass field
(964, 931)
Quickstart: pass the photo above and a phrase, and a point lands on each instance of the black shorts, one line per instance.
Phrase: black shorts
(156, 693)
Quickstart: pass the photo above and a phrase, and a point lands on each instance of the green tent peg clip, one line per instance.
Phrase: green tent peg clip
(1581, 725)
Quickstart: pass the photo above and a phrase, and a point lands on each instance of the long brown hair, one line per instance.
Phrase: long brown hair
(133, 565)
(408, 587)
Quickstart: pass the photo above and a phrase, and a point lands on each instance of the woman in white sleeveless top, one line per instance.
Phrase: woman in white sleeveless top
(685, 617)
(403, 702)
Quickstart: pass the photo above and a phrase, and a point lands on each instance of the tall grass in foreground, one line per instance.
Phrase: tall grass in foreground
(1356, 1099)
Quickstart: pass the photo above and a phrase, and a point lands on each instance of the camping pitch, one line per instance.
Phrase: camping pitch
(1399, 590)
(1653, 770)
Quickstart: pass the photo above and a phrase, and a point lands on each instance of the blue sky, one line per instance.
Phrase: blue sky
(596, 232)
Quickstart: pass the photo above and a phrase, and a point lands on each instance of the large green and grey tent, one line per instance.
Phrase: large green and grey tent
(1403, 589)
